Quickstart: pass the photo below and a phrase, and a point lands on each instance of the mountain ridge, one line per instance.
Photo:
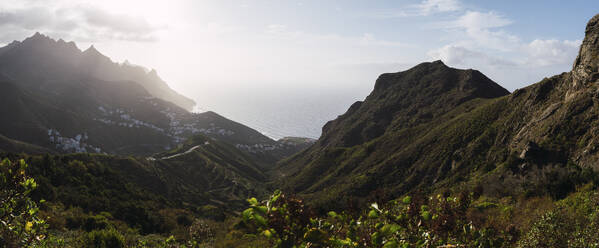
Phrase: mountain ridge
(531, 140)
(89, 62)
(63, 93)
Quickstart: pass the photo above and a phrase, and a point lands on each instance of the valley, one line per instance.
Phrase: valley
(434, 156)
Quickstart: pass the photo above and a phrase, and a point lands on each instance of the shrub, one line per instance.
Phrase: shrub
(95, 222)
(211, 212)
(573, 223)
(107, 238)
(201, 233)
(415, 221)
(19, 221)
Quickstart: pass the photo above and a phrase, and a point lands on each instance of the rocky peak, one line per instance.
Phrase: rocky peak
(586, 65)
(93, 56)
(9, 46)
(14, 43)
(92, 50)
(38, 39)
(38, 35)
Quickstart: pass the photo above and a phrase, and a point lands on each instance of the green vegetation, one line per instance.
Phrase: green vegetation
(106, 200)
(465, 220)
(20, 222)
(434, 157)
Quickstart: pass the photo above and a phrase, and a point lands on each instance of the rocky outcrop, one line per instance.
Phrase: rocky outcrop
(586, 66)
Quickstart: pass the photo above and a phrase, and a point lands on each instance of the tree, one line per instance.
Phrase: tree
(20, 225)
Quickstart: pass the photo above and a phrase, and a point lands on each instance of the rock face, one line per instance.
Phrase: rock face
(432, 128)
(586, 66)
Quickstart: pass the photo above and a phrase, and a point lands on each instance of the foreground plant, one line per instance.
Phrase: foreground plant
(20, 225)
(409, 222)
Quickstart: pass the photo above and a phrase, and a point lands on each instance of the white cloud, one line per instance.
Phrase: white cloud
(481, 39)
(480, 20)
(551, 52)
(481, 30)
(276, 28)
(82, 22)
(461, 56)
(428, 7)
(478, 40)
(424, 8)
(367, 39)
(370, 39)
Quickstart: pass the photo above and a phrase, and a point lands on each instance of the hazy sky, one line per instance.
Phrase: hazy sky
(256, 61)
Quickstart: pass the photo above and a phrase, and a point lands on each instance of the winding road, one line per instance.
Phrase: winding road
(179, 154)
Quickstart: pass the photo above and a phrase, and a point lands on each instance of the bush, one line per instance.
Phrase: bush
(201, 233)
(96, 222)
(573, 223)
(107, 238)
(553, 229)
(415, 221)
(211, 212)
(19, 221)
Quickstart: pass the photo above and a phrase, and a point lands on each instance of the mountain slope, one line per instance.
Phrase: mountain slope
(10, 145)
(72, 101)
(204, 165)
(406, 99)
(51, 60)
(400, 101)
(209, 181)
(537, 140)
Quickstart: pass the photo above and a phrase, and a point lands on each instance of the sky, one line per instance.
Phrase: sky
(287, 67)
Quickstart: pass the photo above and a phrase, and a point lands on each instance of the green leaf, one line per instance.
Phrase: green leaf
(267, 233)
(253, 201)
(390, 229)
(400, 217)
(170, 240)
(315, 235)
(22, 164)
(426, 215)
(260, 220)
(247, 214)
(391, 244)
(275, 196)
(376, 238)
(373, 214)
(260, 209)
(407, 200)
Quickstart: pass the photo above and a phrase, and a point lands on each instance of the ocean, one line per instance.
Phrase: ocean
(279, 113)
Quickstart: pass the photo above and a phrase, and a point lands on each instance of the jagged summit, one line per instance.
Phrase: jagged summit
(37, 38)
(14, 42)
(38, 35)
(65, 61)
(91, 50)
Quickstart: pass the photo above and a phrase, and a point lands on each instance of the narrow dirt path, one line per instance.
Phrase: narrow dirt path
(178, 154)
